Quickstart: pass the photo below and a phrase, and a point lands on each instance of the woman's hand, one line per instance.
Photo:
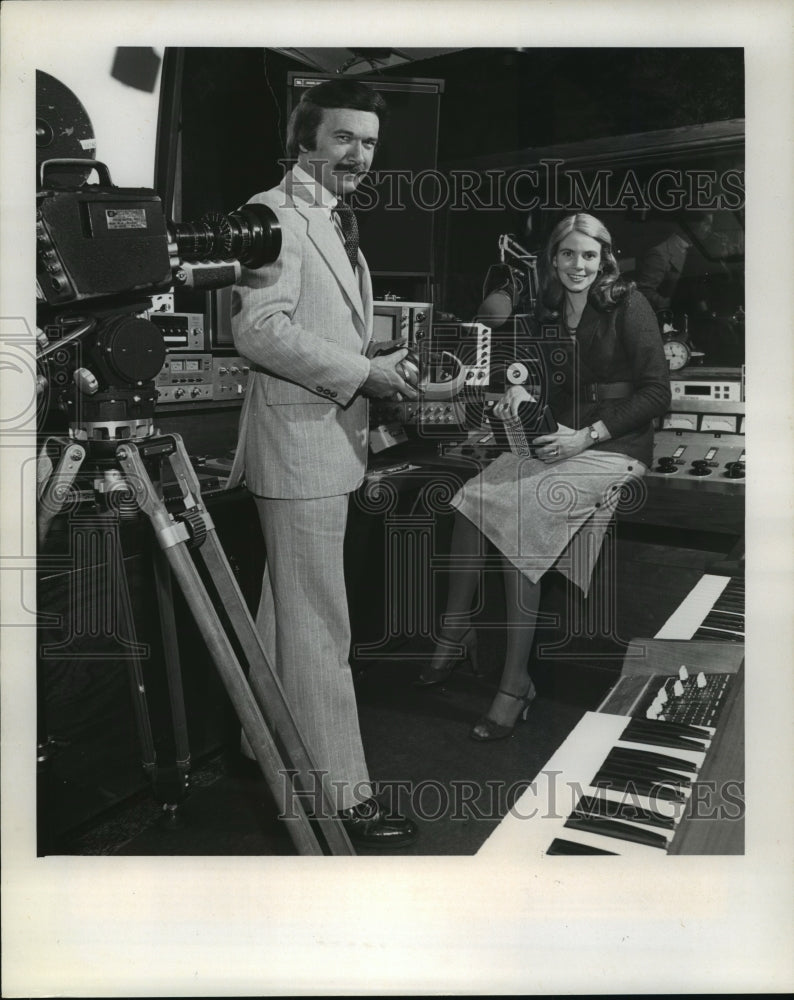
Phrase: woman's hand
(565, 442)
(508, 404)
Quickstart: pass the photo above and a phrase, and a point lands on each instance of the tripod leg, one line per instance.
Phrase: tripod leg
(165, 603)
(172, 538)
(264, 682)
(137, 685)
(239, 691)
(52, 487)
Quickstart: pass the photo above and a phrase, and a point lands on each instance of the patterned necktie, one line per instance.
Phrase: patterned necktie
(347, 220)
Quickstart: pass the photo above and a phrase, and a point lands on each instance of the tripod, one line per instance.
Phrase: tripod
(258, 699)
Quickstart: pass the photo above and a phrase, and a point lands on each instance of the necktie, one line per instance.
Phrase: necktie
(347, 220)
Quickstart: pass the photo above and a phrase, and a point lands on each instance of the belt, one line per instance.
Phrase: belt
(594, 392)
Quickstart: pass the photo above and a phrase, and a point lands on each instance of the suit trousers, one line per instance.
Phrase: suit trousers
(305, 627)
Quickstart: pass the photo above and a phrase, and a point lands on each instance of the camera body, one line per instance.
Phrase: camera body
(99, 240)
(101, 252)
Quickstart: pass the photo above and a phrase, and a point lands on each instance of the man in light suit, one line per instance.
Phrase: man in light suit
(305, 323)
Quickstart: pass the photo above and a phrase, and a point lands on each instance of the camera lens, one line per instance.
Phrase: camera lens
(251, 235)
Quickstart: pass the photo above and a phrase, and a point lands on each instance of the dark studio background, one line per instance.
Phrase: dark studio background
(495, 100)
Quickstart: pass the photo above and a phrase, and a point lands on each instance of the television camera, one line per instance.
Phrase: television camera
(101, 252)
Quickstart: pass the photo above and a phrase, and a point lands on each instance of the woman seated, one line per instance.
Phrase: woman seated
(552, 510)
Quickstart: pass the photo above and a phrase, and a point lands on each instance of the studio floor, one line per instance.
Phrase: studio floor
(416, 741)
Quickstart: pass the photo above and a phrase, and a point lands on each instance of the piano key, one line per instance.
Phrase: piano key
(687, 617)
(676, 728)
(648, 756)
(624, 848)
(561, 846)
(647, 772)
(651, 775)
(616, 829)
(631, 784)
(665, 807)
(660, 732)
(666, 740)
(695, 756)
(727, 612)
(624, 810)
(714, 632)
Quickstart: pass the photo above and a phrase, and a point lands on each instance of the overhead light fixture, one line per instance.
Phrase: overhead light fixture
(372, 56)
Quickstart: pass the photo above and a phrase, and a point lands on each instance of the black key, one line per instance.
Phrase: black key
(660, 759)
(665, 740)
(727, 613)
(679, 735)
(638, 786)
(647, 771)
(677, 728)
(561, 846)
(616, 829)
(624, 810)
(709, 632)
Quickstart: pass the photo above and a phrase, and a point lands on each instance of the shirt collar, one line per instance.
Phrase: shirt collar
(321, 196)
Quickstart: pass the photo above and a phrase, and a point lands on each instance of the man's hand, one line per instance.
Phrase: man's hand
(378, 347)
(387, 378)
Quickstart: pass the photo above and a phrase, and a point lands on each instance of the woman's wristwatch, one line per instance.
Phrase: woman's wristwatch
(593, 436)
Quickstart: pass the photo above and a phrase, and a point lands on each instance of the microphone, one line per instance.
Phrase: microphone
(495, 309)
(501, 290)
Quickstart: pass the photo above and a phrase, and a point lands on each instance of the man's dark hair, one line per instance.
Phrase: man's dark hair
(308, 112)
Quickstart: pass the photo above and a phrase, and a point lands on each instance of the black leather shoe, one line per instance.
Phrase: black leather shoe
(368, 825)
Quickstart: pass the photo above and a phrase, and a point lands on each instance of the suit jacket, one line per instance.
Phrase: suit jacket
(304, 323)
(621, 345)
(660, 271)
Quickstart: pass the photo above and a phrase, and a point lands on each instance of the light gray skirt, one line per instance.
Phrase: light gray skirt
(541, 515)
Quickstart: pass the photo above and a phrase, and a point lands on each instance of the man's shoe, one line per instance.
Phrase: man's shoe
(368, 825)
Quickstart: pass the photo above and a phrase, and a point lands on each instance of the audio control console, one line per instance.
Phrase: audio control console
(202, 378)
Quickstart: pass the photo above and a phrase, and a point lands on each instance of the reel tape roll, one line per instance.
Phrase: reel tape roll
(63, 128)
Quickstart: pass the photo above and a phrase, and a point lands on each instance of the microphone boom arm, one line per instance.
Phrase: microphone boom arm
(508, 247)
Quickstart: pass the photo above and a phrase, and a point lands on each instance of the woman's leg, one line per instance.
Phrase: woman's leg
(466, 548)
(466, 551)
(522, 598)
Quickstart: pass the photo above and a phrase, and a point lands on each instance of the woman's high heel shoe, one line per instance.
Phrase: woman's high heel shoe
(485, 729)
(434, 675)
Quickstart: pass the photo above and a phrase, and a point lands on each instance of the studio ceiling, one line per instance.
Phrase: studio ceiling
(363, 61)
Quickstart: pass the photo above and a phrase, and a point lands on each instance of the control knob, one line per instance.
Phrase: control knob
(700, 467)
(667, 465)
(735, 470)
